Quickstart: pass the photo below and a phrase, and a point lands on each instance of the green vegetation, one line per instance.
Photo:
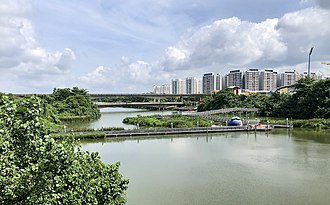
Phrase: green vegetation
(72, 104)
(90, 135)
(36, 169)
(310, 100)
(306, 123)
(83, 129)
(178, 121)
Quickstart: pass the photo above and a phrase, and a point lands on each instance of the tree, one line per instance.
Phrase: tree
(36, 169)
(222, 99)
(73, 102)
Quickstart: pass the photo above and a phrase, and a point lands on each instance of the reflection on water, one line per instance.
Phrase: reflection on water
(321, 136)
(279, 167)
(113, 117)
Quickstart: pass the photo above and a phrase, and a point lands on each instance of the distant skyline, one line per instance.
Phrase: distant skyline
(129, 46)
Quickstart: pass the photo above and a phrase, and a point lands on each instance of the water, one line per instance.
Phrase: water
(113, 117)
(280, 167)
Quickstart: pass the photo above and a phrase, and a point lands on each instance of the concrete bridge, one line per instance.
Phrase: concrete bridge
(144, 95)
(156, 99)
(113, 95)
(138, 104)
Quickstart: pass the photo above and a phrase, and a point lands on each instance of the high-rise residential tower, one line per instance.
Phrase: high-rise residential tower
(208, 83)
(268, 80)
(287, 78)
(179, 86)
(234, 78)
(218, 81)
(251, 80)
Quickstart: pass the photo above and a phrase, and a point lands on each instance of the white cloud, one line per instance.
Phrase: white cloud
(128, 76)
(282, 44)
(108, 30)
(304, 29)
(101, 75)
(232, 43)
(227, 42)
(20, 53)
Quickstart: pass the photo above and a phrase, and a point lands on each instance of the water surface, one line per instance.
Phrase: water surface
(281, 167)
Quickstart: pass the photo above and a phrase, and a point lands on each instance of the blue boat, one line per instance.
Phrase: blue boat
(235, 121)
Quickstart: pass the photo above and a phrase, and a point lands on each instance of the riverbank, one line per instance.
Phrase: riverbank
(316, 123)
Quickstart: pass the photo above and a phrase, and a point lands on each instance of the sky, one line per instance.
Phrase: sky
(127, 46)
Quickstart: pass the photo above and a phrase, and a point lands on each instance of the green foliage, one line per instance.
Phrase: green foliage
(72, 104)
(178, 121)
(227, 99)
(89, 135)
(310, 100)
(222, 99)
(306, 123)
(36, 169)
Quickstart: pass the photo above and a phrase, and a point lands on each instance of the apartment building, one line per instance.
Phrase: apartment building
(218, 81)
(287, 78)
(234, 78)
(162, 89)
(251, 80)
(268, 80)
(179, 86)
(208, 83)
(193, 85)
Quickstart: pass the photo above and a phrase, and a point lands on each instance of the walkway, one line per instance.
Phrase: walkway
(173, 131)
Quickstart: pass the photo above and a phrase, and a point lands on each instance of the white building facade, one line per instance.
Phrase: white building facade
(268, 80)
(179, 86)
(251, 80)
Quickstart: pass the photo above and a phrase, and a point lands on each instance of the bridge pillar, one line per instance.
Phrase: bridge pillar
(157, 100)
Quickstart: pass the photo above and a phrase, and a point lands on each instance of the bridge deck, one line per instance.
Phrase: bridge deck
(140, 104)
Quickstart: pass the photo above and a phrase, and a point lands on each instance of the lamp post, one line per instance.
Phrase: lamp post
(309, 62)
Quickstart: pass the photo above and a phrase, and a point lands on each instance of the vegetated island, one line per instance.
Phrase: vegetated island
(168, 121)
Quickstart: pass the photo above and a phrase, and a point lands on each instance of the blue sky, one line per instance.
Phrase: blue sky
(130, 45)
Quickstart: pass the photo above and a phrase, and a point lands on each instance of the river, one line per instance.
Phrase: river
(279, 167)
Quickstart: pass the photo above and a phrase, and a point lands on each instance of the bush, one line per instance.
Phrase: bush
(178, 121)
(36, 169)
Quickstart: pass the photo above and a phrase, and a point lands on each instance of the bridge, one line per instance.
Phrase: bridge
(156, 99)
(114, 95)
(144, 95)
(138, 104)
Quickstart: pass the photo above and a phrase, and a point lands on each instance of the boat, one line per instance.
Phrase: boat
(235, 121)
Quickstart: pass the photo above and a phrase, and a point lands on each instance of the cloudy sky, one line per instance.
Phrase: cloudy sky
(127, 46)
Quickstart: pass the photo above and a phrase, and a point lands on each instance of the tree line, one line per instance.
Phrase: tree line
(311, 99)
